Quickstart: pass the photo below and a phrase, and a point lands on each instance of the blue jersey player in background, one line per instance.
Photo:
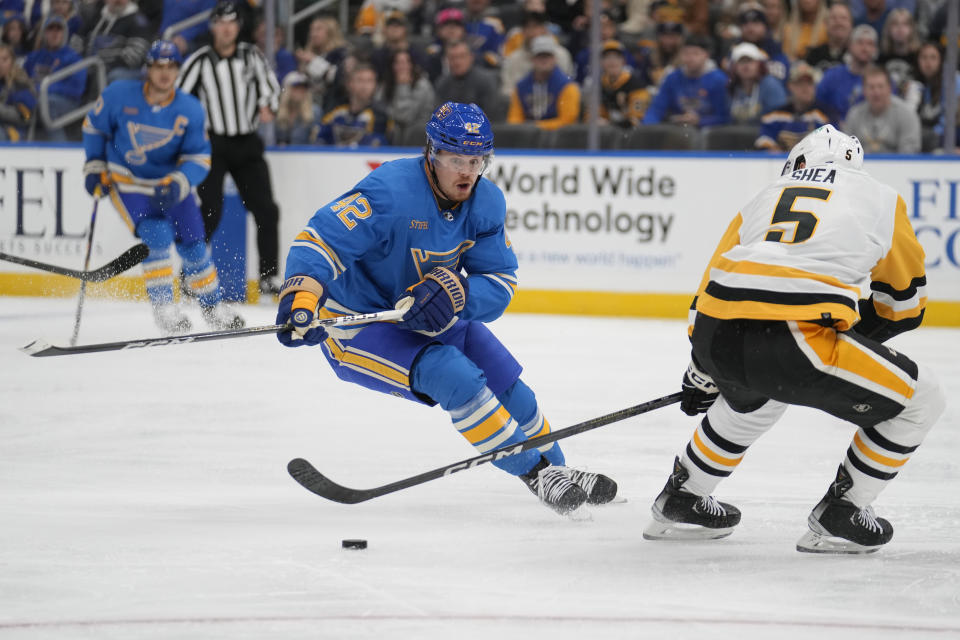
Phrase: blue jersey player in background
(147, 147)
(428, 232)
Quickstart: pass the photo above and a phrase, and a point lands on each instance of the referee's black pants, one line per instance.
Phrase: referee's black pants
(242, 156)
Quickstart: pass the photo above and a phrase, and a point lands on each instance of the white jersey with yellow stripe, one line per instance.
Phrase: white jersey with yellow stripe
(810, 246)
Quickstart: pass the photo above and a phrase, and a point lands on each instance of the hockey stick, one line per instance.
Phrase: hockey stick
(86, 267)
(314, 481)
(129, 258)
(41, 348)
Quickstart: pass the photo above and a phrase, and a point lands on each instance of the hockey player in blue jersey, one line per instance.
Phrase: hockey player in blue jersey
(428, 232)
(147, 147)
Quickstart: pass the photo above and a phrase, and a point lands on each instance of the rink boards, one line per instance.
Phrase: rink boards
(602, 234)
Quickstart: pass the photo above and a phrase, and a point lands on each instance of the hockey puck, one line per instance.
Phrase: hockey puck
(353, 544)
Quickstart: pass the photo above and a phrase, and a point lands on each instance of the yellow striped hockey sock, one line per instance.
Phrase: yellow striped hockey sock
(487, 425)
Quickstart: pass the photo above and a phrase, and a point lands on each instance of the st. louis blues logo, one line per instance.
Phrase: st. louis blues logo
(425, 260)
(145, 138)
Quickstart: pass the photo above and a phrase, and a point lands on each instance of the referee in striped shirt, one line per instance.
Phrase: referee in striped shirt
(238, 90)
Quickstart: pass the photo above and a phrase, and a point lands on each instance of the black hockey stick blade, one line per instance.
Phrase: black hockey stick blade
(129, 258)
(42, 348)
(312, 480)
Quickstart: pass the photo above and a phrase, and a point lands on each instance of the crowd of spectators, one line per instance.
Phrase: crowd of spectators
(873, 68)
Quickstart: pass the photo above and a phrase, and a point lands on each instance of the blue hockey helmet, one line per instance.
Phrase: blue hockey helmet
(460, 128)
(164, 51)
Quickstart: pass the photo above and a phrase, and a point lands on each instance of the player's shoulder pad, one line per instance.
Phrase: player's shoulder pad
(395, 182)
(489, 203)
(122, 90)
(189, 103)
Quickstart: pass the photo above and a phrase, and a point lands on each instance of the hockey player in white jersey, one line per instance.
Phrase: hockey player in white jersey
(815, 273)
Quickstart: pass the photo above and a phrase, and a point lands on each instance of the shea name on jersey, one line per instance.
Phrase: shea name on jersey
(816, 174)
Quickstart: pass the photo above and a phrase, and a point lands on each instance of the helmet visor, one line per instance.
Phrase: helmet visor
(460, 162)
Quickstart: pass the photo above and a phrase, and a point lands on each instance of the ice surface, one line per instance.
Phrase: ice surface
(143, 495)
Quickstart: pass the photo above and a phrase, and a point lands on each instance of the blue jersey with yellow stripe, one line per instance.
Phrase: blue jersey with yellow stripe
(385, 234)
(142, 142)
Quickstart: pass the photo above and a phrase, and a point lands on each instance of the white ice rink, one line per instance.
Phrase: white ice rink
(144, 495)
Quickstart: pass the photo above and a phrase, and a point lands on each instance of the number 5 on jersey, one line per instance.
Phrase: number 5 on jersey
(354, 205)
(805, 221)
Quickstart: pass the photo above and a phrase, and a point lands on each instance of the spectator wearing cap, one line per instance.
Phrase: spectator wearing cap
(63, 95)
(449, 26)
(485, 32)
(842, 85)
(805, 27)
(175, 11)
(608, 31)
(119, 36)
(518, 64)
(68, 10)
(323, 60)
(546, 96)
(784, 126)
(839, 25)
(657, 58)
(624, 92)
(406, 94)
(883, 122)
(753, 29)
(396, 37)
(298, 117)
(695, 94)
(753, 92)
(465, 81)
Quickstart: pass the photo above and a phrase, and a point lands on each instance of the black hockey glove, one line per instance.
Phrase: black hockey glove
(698, 390)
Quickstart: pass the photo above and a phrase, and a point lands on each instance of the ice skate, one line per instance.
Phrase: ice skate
(220, 316)
(170, 319)
(599, 488)
(839, 526)
(681, 515)
(553, 486)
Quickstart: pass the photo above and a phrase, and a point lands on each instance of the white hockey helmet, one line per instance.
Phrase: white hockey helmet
(825, 145)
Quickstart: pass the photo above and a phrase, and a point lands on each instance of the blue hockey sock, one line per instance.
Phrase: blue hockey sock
(521, 402)
(157, 234)
(200, 273)
(487, 425)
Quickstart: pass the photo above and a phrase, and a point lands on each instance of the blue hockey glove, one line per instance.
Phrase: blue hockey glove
(300, 297)
(436, 300)
(95, 175)
(170, 191)
(698, 390)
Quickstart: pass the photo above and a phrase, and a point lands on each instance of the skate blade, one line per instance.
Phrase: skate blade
(681, 531)
(812, 542)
